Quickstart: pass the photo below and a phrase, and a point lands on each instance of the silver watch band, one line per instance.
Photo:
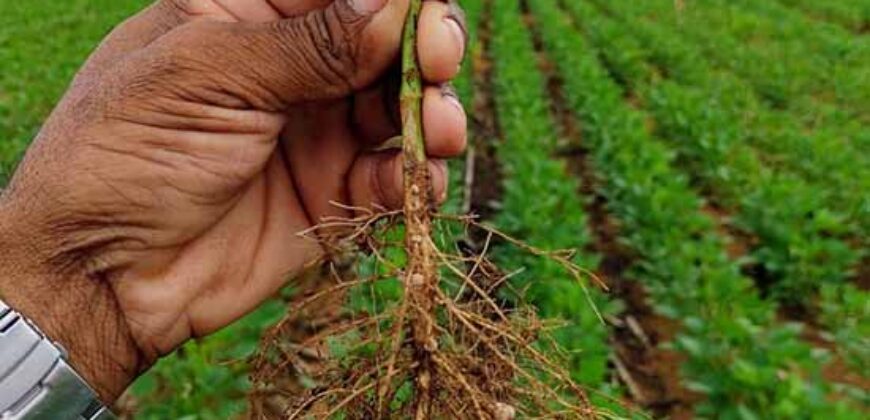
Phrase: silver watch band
(36, 382)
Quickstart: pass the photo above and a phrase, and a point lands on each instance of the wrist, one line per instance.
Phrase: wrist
(73, 308)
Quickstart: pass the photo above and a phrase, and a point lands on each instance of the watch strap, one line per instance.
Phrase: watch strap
(36, 382)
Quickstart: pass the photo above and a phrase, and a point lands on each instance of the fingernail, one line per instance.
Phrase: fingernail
(456, 20)
(458, 35)
(365, 7)
(388, 180)
(438, 169)
(448, 92)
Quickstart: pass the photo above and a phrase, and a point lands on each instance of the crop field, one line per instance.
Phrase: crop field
(709, 160)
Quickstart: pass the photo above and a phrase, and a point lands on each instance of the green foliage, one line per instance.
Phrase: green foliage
(800, 243)
(801, 234)
(41, 47)
(852, 15)
(540, 203)
(793, 63)
(205, 379)
(729, 333)
(824, 154)
(845, 309)
(762, 105)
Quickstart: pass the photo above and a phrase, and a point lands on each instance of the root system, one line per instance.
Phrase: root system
(402, 328)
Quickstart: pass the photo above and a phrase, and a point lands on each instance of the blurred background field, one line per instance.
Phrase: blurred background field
(710, 158)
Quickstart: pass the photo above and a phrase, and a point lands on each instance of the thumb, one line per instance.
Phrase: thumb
(325, 54)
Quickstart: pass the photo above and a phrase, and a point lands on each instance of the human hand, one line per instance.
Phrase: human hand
(164, 196)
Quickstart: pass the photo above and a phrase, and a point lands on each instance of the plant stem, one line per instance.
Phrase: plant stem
(420, 272)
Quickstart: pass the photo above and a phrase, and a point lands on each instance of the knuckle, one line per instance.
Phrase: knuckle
(185, 8)
(325, 44)
(186, 63)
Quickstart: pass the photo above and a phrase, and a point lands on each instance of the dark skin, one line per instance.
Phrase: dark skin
(163, 198)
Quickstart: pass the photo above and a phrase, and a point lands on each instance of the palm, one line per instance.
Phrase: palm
(252, 234)
(216, 253)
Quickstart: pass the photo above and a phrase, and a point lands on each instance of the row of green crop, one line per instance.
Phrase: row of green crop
(816, 73)
(819, 156)
(736, 353)
(710, 134)
(796, 230)
(848, 53)
(805, 65)
(848, 182)
(778, 60)
(830, 40)
(845, 53)
(540, 202)
(853, 15)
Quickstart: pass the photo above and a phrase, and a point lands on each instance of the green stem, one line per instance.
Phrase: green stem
(411, 93)
(421, 276)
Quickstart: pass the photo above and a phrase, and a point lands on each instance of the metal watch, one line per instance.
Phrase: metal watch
(36, 382)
